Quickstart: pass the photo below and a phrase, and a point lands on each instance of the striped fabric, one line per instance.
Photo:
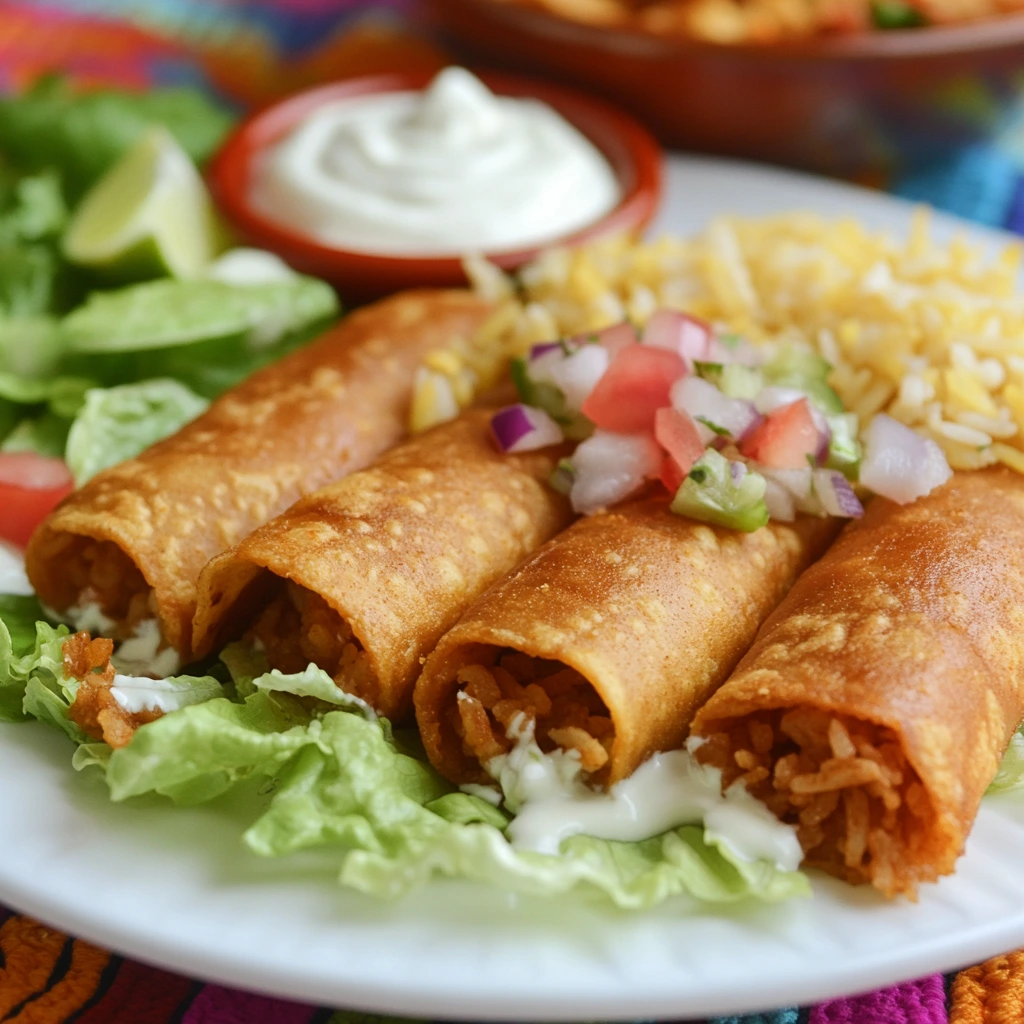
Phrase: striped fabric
(48, 978)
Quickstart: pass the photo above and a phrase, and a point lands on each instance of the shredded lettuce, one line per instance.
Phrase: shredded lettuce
(26, 656)
(117, 423)
(340, 778)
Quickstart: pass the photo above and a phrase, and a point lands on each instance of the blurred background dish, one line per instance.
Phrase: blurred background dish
(629, 149)
(857, 104)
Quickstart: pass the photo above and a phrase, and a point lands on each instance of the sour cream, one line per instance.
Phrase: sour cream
(670, 789)
(142, 653)
(449, 170)
(137, 695)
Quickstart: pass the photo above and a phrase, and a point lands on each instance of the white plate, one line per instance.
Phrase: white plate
(176, 888)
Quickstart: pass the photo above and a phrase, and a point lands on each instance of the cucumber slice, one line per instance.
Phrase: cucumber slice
(712, 494)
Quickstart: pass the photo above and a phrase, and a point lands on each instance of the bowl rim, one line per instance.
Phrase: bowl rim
(636, 160)
(999, 32)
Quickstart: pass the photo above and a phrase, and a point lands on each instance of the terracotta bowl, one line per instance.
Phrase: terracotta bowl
(852, 105)
(629, 148)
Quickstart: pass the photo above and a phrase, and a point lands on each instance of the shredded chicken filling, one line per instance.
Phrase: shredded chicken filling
(858, 807)
(298, 627)
(95, 710)
(565, 708)
(101, 572)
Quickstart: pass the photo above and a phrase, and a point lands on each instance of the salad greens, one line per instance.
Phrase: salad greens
(115, 423)
(81, 134)
(338, 777)
(92, 374)
(205, 336)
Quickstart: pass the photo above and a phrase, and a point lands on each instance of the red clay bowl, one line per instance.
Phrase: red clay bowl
(629, 148)
(851, 105)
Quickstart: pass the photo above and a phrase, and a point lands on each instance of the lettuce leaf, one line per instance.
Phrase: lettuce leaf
(117, 423)
(340, 779)
(169, 313)
(82, 134)
(20, 614)
(32, 207)
(23, 658)
(36, 413)
(1011, 768)
(32, 680)
(30, 346)
(45, 435)
(34, 279)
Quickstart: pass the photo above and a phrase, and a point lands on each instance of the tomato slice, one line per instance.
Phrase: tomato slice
(784, 439)
(676, 432)
(633, 388)
(30, 487)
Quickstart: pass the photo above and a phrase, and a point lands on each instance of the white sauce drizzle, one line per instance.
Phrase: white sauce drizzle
(87, 616)
(136, 695)
(141, 654)
(12, 571)
(449, 170)
(670, 789)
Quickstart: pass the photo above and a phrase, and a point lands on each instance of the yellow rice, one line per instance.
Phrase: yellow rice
(931, 334)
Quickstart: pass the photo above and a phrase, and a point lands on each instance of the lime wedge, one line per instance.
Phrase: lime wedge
(148, 216)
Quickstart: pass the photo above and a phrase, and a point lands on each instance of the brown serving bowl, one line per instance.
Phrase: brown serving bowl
(851, 105)
(629, 148)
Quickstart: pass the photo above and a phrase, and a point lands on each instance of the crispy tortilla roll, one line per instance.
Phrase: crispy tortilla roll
(875, 706)
(610, 638)
(134, 539)
(363, 577)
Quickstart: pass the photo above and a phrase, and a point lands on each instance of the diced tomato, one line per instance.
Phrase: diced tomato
(676, 432)
(633, 388)
(784, 439)
(671, 475)
(688, 335)
(30, 486)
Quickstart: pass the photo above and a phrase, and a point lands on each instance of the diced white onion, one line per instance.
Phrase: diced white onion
(577, 374)
(798, 484)
(899, 463)
(703, 401)
(779, 501)
(610, 467)
(688, 336)
(836, 495)
(543, 361)
(773, 397)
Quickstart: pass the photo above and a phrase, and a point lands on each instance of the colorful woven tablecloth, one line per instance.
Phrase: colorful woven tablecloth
(49, 978)
(248, 51)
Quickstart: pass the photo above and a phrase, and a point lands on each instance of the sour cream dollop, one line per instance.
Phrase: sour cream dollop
(449, 170)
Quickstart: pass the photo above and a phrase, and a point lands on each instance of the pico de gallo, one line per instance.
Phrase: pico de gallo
(738, 434)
